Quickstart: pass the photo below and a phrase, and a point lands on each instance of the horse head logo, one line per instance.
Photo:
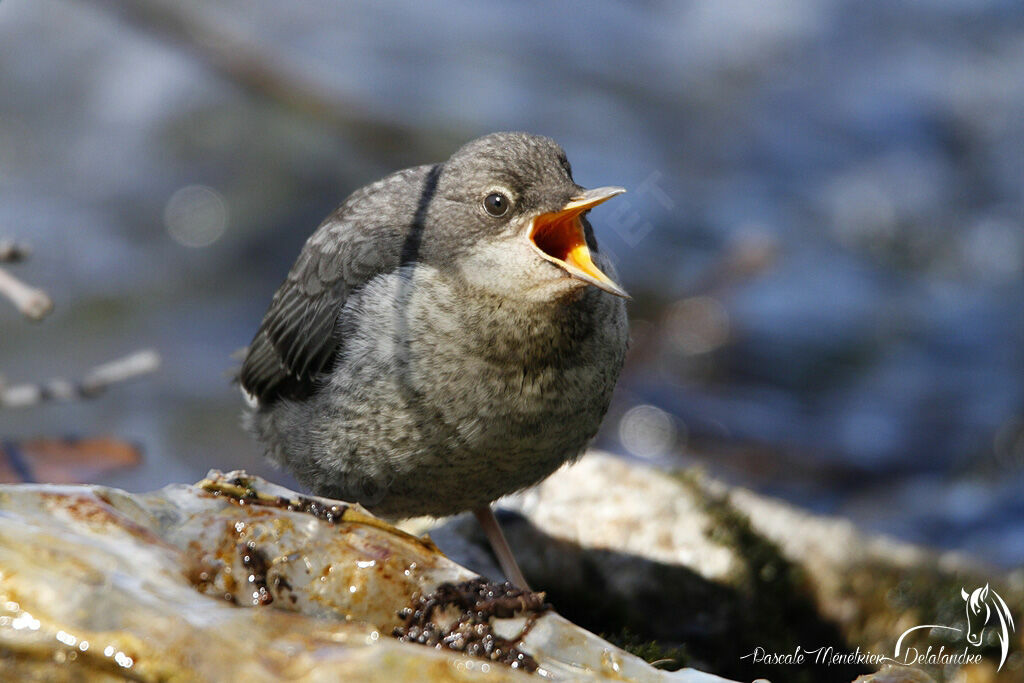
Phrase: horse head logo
(982, 604)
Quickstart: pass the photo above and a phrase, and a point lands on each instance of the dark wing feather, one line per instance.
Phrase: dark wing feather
(298, 338)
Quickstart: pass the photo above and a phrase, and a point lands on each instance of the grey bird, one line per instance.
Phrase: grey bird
(449, 335)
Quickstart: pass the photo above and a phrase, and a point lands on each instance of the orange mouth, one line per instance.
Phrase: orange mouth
(559, 238)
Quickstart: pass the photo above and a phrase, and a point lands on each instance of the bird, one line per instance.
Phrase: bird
(450, 334)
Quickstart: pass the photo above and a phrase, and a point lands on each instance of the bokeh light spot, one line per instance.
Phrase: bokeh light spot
(647, 431)
(698, 324)
(196, 216)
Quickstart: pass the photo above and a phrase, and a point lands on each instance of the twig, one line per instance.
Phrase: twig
(33, 303)
(260, 73)
(12, 252)
(97, 381)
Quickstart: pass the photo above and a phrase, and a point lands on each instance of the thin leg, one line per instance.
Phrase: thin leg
(489, 522)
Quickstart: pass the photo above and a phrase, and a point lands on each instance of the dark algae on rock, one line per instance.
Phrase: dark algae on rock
(458, 617)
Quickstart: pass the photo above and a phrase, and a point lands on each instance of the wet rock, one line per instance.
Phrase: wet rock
(705, 574)
(891, 673)
(238, 579)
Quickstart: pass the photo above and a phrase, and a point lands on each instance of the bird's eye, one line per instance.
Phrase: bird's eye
(496, 204)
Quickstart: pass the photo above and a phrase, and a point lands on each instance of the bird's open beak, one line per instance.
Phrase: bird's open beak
(558, 237)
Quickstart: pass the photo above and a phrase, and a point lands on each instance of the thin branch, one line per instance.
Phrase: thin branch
(12, 252)
(97, 381)
(31, 302)
(260, 72)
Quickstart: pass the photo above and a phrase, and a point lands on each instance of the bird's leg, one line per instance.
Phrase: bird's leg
(489, 522)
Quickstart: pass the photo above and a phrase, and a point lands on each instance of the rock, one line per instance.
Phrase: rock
(891, 673)
(100, 584)
(706, 574)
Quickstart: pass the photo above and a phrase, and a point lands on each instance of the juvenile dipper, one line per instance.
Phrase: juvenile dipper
(447, 336)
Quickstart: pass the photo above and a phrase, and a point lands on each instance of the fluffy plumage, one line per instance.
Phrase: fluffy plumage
(420, 357)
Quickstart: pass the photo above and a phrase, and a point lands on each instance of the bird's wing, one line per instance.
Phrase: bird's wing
(298, 337)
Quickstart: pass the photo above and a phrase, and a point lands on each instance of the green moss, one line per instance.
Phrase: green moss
(668, 657)
(773, 606)
(670, 614)
(891, 597)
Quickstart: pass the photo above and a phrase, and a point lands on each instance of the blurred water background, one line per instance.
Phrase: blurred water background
(824, 235)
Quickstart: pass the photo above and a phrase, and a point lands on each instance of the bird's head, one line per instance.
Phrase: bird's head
(517, 220)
